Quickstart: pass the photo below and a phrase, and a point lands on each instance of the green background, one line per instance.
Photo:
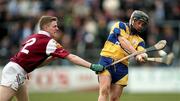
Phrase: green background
(93, 95)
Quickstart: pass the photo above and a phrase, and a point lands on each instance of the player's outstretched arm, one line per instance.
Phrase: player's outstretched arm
(81, 62)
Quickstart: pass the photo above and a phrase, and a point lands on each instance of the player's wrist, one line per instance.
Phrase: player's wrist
(92, 66)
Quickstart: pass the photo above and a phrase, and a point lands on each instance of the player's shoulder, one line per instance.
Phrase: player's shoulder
(38, 38)
(121, 25)
(141, 39)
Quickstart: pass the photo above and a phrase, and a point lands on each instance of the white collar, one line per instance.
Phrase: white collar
(44, 33)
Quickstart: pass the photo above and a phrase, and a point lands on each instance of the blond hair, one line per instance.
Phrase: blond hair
(45, 20)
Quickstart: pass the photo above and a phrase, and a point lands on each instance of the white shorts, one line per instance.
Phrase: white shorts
(13, 75)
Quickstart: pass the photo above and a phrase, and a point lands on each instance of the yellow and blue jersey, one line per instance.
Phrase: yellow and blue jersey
(112, 48)
(112, 51)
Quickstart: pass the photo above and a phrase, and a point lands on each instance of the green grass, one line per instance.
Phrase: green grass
(151, 97)
(70, 96)
(92, 96)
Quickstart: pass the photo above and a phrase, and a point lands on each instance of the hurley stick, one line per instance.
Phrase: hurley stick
(168, 59)
(158, 46)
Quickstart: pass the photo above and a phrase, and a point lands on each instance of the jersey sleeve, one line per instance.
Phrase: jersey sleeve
(55, 49)
(141, 46)
(119, 28)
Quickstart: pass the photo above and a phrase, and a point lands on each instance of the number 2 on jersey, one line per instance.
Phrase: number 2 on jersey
(28, 43)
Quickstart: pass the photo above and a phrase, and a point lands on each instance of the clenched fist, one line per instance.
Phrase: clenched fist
(142, 57)
(97, 67)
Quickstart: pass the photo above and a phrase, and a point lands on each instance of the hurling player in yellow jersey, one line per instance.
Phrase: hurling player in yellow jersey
(123, 39)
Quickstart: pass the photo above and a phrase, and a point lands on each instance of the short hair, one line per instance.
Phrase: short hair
(44, 20)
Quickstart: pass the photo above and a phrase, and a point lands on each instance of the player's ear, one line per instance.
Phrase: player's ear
(44, 27)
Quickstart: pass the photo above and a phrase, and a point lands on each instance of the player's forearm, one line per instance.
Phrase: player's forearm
(78, 61)
(126, 45)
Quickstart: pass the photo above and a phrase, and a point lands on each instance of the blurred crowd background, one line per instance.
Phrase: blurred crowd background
(85, 24)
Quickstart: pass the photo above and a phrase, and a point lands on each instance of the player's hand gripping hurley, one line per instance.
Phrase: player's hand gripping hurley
(158, 46)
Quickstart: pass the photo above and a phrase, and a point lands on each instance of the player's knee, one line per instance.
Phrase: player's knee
(105, 90)
(114, 98)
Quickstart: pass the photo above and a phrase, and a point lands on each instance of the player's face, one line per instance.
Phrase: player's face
(139, 25)
(52, 28)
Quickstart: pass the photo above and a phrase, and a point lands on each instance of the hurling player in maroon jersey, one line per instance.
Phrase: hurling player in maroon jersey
(37, 49)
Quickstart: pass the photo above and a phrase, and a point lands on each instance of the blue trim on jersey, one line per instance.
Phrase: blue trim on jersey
(122, 26)
(112, 38)
(116, 31)
(142, 44)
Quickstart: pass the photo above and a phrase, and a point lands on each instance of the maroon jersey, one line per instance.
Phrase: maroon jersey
(37, 48)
